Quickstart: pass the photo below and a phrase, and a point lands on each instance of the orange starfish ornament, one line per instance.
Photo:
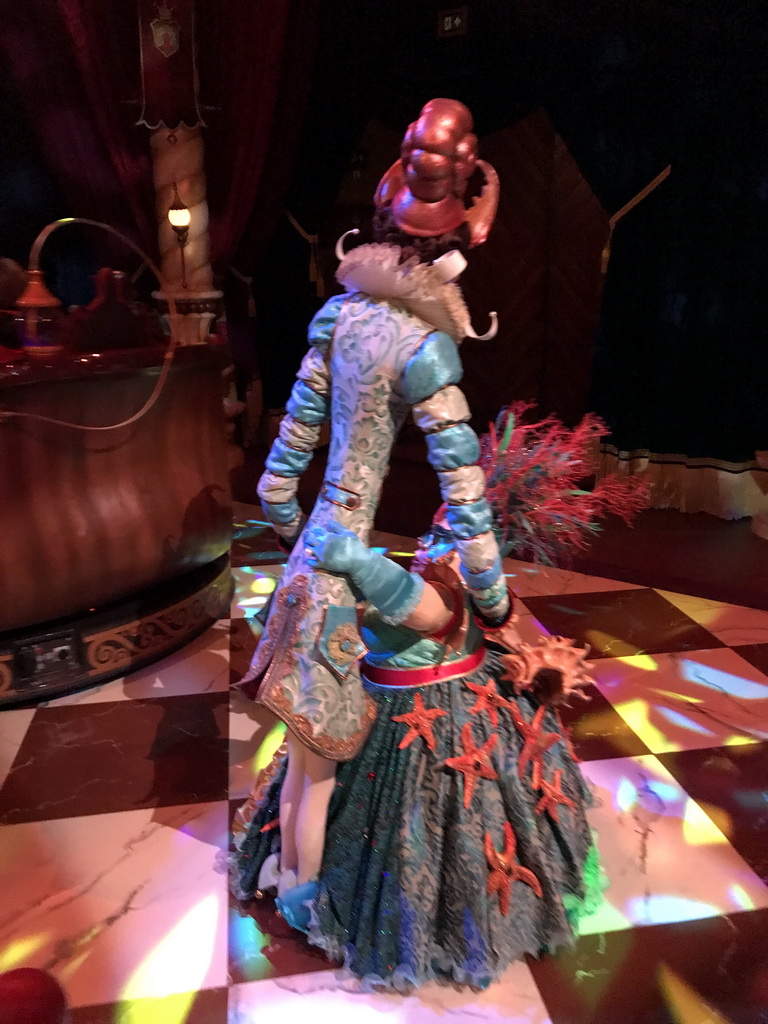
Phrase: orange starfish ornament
(488, 699)
(552, 795)
(505, 871)
(475, 762)
(419, 722)
(536, 744)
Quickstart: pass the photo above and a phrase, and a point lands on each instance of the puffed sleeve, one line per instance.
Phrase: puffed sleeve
(307, 409)
(430, 384)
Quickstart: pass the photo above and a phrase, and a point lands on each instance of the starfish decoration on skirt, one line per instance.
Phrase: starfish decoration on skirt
(567, 737)
(419, 722)
(488, 699)
(475, 762)
(505, 871)
(536, 744)
(552, 795)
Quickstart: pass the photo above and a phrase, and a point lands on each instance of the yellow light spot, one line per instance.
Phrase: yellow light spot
(269, 745)
(686, 1005)
(401, 554)
(641, 661)
(738, 741)
(705, 825)
(263, 585)
(172, 1009)
(20, 951)
(635, 714)
(603, 642)
(742, 898)
(678, 696)
(179, 961)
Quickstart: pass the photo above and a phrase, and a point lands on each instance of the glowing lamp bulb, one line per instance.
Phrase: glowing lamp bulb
(179, 217)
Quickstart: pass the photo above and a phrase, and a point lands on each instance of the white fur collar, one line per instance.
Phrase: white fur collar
(375, 269)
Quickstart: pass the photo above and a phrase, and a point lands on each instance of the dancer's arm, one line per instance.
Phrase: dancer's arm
(308, 408)
(401, 597)
(430, 380)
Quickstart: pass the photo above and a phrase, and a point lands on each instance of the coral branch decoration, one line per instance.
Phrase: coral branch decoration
(534, 472)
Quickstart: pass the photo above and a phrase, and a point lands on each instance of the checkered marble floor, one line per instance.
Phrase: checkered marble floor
(115, 806)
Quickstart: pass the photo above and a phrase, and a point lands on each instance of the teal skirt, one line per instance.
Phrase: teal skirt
(427, 874)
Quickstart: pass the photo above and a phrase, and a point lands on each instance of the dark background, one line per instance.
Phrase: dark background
(579, 106)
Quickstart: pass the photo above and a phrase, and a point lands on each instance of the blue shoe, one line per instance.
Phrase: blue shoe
(294, 905)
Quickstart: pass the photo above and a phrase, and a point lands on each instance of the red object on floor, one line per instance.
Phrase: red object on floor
(30, 996)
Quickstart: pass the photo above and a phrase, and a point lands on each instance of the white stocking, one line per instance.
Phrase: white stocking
(319, 780)
(290, 798)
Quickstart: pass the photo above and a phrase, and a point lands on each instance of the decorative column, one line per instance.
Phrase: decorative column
(178, 171)
(171, 111)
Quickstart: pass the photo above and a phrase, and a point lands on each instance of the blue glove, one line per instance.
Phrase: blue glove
(392, 589)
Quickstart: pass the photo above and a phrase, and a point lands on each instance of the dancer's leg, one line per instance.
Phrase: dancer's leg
(290, 799)
(319, 780)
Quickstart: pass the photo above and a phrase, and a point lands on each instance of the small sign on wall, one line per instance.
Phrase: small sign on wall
(453, 23)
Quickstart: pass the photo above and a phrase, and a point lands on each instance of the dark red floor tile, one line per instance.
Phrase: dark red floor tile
(756, 655)
(262, 945)
(597, 730)
(731, 784)
(207, 1007)
(622, 622)
(667, 974)
(97, 758)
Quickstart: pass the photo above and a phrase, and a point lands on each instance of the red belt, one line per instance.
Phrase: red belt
(421, 676)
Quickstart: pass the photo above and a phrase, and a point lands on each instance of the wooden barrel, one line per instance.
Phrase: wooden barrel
(89, 518)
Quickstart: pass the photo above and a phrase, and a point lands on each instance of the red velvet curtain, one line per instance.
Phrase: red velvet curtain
(75, 63)
(256, 59)
(76, 66)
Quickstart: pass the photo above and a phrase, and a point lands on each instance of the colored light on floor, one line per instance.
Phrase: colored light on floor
(661, 909)
(684, 722)
(685, 1004)
(607, 918)
(603, 642)
(18, 952)
(705, 825)
(176, 968)
(626, 793)
(246, 942)
(726, 682)
(268, 746)
(641, 661)
(741, 898)
(738, 740)
(263, 585)
(636, 713)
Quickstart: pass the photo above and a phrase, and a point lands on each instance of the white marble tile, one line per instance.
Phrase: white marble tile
(665, 858)
(13, 729)
(254, 734)
(529, 580)
(333, 997)
(253, 586)
(687, 700)
(202, 666)
(118, 906)
(732, 623)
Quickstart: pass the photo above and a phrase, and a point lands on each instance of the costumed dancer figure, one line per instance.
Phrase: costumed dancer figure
(386, 346)
(457, 839)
